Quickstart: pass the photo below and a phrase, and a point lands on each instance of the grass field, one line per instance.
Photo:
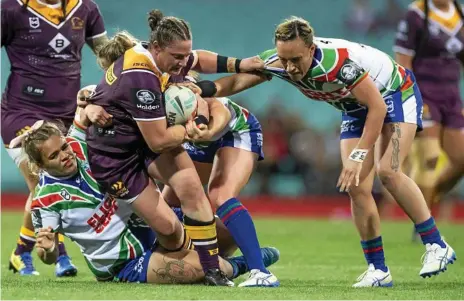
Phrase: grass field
(319, 260)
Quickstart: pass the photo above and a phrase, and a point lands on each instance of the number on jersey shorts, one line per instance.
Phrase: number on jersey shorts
(250, 140)
(402, 106)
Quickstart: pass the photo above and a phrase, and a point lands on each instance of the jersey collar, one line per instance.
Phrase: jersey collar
(316, 58)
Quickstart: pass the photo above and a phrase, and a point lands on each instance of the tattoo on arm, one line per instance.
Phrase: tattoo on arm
(97, 43)
(395, 139)
(178, 271)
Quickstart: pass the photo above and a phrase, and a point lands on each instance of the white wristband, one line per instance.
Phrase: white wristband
(358, 155)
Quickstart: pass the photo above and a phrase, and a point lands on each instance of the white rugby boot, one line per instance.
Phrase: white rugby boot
(374, 278)
(260, 279)
(436, 259)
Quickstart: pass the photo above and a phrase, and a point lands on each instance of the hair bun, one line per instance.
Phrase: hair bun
(154, 18)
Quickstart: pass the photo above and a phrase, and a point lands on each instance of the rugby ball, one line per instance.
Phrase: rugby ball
(180, 104)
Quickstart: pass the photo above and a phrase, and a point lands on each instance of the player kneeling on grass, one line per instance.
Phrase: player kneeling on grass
(116, 244)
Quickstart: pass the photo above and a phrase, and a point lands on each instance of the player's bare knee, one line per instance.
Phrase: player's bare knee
(359, 194)
(172, 228)
(191, 190)
(388, 176)
(218, 195)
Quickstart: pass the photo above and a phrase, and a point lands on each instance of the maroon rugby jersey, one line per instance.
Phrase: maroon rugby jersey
(45, 53)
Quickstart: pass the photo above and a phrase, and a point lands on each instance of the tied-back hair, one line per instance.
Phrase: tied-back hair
(293, 28)
(63, 8)
(167, 29)
(114, 48)
(33, 141)
(426, 34)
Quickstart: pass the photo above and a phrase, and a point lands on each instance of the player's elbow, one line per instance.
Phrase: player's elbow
(382, 108)
(159, 144)
(378, 107)
(156, 146)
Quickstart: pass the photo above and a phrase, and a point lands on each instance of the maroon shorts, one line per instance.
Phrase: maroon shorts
(15, 122)
(442, 105)
(123, 176)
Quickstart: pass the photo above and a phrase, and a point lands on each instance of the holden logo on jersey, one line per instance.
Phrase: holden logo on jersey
(59, 42)
(34, 22)
(145, 96)
(65, 194)
(146, 99)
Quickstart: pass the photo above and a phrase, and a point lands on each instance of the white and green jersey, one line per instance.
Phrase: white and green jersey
(239, 118)
(338, 66)
(75, 207)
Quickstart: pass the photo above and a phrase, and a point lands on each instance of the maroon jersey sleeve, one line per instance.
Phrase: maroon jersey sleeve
(408, 34)
(7, 23)
(95, 26)
(142, 92)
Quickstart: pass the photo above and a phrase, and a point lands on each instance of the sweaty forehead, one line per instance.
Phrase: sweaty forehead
(180, 47)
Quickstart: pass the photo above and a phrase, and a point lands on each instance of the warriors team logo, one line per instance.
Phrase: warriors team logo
(34, 22)
(349, 72)
(77, 23)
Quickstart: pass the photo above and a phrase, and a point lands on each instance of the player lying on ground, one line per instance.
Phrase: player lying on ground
(116, 244)
(380, 102)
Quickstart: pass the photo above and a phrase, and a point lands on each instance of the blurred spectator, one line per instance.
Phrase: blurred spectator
(275, 144)
(388, 17)
(360, 17)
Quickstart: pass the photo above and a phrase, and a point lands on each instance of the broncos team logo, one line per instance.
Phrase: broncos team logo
(119, 190)
(77, 23)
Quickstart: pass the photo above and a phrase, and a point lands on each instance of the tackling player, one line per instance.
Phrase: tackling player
(380, 101)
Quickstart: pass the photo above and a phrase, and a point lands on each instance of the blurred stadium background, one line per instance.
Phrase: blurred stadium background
(300, 137)
(320, 258)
